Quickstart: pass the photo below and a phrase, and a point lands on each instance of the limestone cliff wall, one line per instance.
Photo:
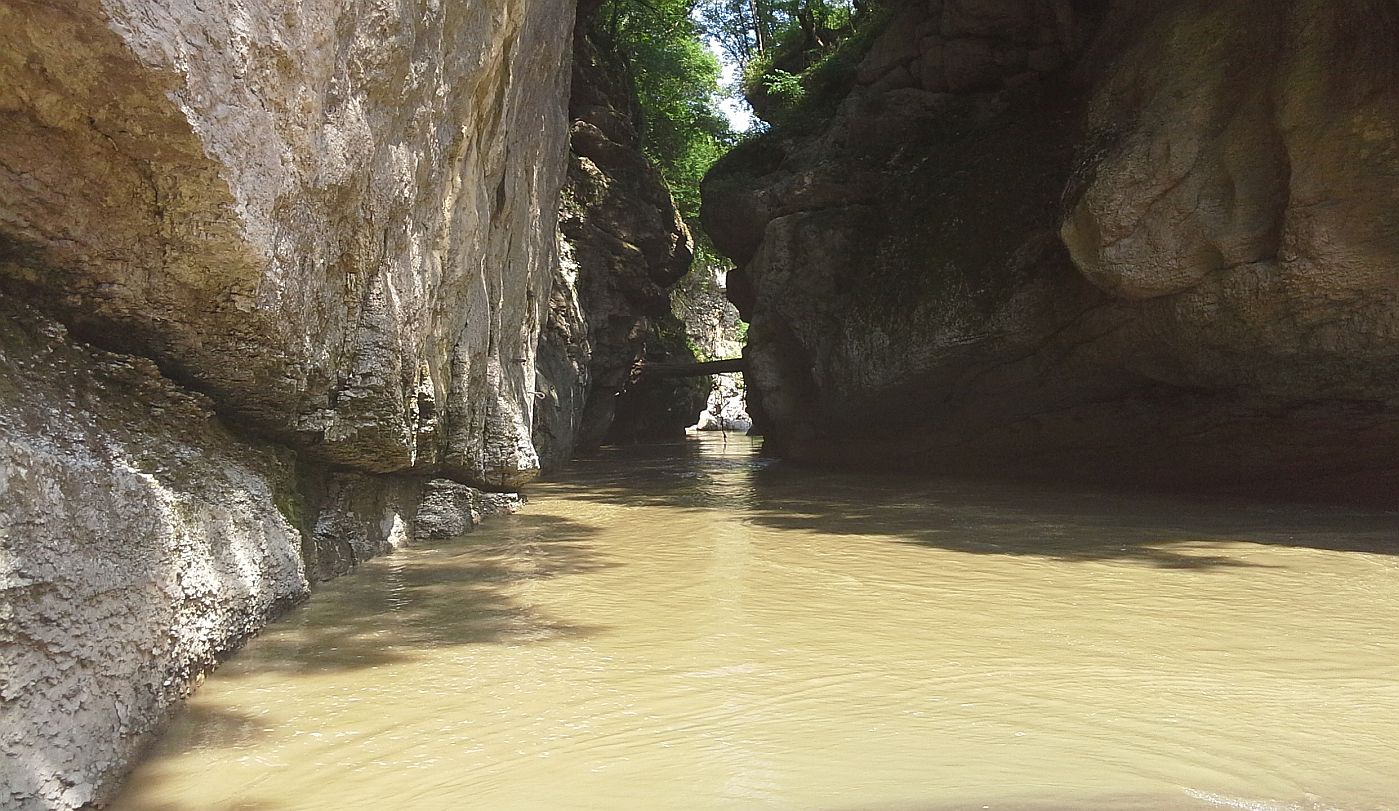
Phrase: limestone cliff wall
(283, 265)
(1121, 240)
(141, 540)
(136, 544)
(333, 218)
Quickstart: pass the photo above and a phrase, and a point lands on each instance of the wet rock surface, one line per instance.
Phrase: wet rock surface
(449, 508)
(1127, 241)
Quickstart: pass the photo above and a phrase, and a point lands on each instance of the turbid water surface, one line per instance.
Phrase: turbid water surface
(690, 627)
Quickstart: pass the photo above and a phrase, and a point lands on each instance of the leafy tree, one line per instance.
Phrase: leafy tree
(793, 54)
(796, 56)
(730, 24)
(662, 48)
(776, 30)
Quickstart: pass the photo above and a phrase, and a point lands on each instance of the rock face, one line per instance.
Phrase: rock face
(449, 508)
(335, 221)
(1140, 240)
(713, 326)
(138, 541)
(624, 246)
(333, 226)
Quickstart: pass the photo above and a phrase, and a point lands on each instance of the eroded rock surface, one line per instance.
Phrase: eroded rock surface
(449, 508)
(1104, 239)
(313, 245)
(714, 328)
(139, 540)
(624, 247)
(336, 220)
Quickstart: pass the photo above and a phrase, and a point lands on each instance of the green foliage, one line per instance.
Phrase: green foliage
(676, 79)
(751, 81)
(785, 89)
(775, 30)
(797, 59)
(832, 73)
(809, 52)
(730, 24)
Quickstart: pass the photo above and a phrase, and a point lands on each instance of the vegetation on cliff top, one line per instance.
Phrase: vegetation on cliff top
(796, 57)
(662, 49)
(661, 46)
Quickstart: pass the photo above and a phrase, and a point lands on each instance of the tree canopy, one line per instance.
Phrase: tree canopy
(793, 56)
(748, 30)
(663, 48)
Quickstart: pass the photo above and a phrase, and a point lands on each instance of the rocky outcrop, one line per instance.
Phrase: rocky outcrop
(714, 328)
(287, 269)
(624, 246)
(138, 541)
(1151, 241)
(327, 220)
(448, 509)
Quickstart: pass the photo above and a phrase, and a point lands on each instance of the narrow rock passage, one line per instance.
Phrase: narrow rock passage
(689, 626)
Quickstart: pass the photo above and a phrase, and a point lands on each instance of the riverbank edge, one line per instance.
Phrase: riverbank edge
(145, 541)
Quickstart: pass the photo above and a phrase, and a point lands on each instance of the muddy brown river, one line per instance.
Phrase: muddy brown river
(691, 627)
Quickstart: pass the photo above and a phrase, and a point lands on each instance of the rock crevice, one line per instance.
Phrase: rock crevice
(624, 246)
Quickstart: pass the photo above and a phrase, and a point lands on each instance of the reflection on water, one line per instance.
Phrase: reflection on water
(686, 627)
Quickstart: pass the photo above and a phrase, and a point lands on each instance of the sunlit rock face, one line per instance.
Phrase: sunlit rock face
(334, 218)
(287, 262)
(1153, 240)
(138, 540)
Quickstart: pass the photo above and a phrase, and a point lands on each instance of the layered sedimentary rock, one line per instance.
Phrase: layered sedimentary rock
(287, 268)
(1109, 239)
(624, 245)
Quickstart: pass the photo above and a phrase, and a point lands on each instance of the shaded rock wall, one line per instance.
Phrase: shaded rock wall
(1153, 241)
(623, 247)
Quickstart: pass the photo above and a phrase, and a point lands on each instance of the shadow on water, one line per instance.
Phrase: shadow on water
(455, 592)
(394, 610)
(969, 516)
(201, 726)
(467, 591)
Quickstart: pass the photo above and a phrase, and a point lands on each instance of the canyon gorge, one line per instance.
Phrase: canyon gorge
(286, 287)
